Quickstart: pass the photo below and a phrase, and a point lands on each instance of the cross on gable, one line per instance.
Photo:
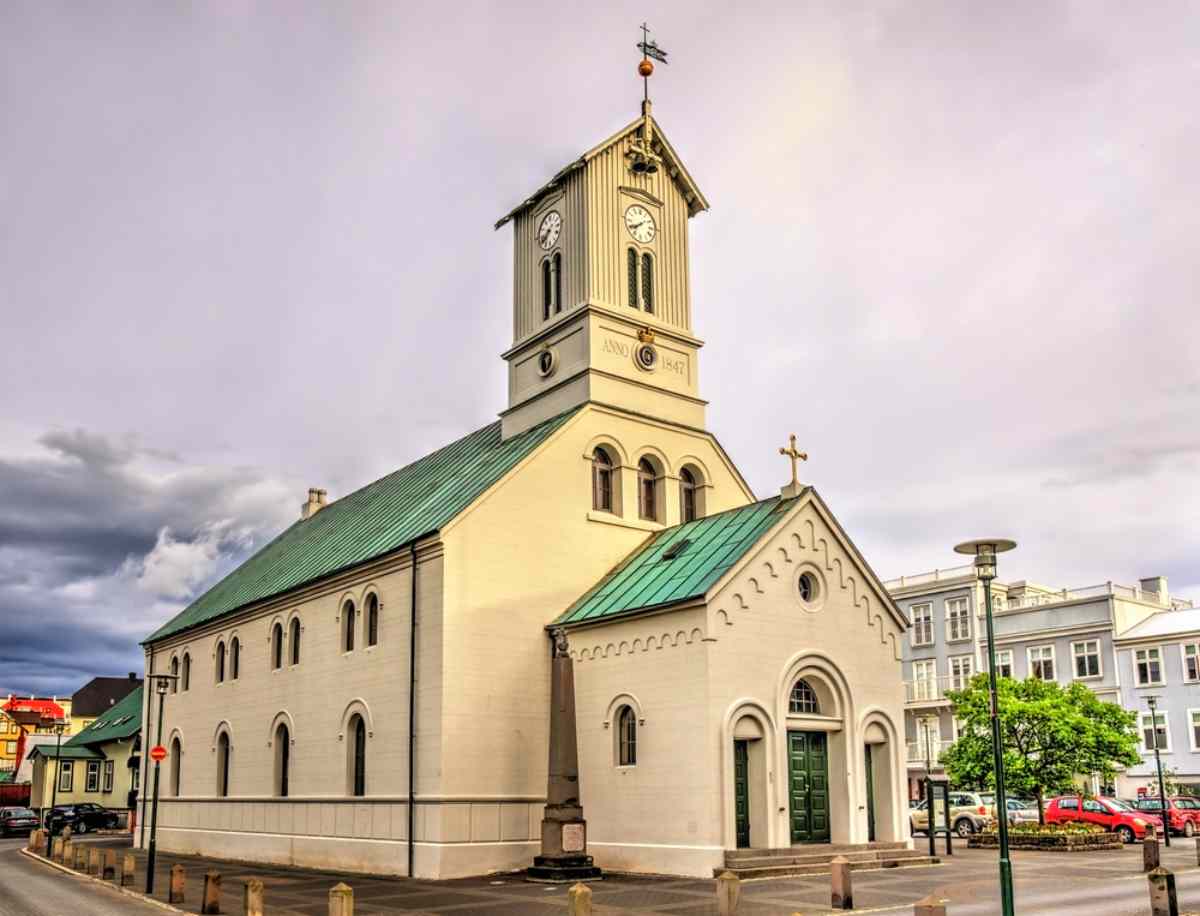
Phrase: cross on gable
(793, 455)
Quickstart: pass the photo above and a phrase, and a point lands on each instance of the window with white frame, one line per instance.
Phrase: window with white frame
(108, 775)
(1147, 666)
(962, 667)
(93, 776)
(925, 680)
(1004, 664)
(922, 634)
(958, 619)
(1155, 732)
(1087, 658)
(1191, 661)
(1194, 728)
(66, 775)
(1041, 662)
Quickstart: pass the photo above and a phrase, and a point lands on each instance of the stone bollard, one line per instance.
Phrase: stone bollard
(252, 898)
(1198, 850)
(211, 902)
(56, 850)
(67, 833)
(1162, 893)
(175, 891)
(842, 895)
(94, 861)
(1149, 851)
(579, 901)
(128, 868)
(81, 857)
(110, 865)
(729, 889)
(930, 906)
(68, 853)
(341, 900)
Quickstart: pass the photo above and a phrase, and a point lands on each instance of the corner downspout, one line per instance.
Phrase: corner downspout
(412, 706)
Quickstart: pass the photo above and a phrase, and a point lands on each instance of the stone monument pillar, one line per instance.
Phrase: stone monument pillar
(564, 831)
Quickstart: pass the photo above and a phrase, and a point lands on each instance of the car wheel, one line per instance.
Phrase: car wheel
(964, 827)
(1126, 834)
(81, 827)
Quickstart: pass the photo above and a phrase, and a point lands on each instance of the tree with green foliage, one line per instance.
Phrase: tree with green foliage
(1049, 734)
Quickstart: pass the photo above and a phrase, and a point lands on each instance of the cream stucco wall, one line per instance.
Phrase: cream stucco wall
(117, 797)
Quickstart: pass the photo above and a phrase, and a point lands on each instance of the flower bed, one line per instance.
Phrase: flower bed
(1049, 837)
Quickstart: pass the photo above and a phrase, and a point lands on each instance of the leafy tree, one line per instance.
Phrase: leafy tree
(1049, 735)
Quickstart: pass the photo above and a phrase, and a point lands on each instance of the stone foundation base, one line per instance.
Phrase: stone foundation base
(562, 869)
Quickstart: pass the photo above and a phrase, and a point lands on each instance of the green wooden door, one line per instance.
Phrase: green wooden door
(741, 792)
(808, 786)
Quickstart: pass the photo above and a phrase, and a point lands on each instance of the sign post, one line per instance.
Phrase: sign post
(158, 753)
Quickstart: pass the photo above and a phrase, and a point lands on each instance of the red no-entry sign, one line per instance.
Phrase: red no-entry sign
(158, 753)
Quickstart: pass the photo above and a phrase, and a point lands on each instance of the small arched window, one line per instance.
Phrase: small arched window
(294, 640)
(283, 754)
(235, 658)
(220, 662)
(558, 283)
(348, 616)
(358, 756)
(174, 675)
(804, 699)
(185, 679)
(602, 481)
(224, 752)
(277, 645)
(631, 258)
(372, 619)
(687, 496)
(626, 737)
(176, 766)
(547, 289)
(647, 491)
(648, 282)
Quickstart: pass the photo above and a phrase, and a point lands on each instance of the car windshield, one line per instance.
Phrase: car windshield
(1116, 804)
(21, 812)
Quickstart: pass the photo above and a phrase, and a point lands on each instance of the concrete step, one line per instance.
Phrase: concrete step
(823, 868)
(862, 855)
(811, 848)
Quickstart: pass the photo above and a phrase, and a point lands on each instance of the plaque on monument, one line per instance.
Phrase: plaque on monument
(572, 838)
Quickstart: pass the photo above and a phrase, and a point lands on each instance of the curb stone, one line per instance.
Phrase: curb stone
(106, 884)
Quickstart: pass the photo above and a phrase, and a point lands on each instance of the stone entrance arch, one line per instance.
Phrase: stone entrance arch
(749, 724)
(885, 769)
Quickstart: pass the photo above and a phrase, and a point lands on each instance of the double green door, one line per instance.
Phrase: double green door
(808, 786)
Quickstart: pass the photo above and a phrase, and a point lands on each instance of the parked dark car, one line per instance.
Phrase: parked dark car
(16, 821)
(80, 818)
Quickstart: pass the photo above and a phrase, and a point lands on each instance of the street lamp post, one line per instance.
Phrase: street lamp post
(1152, 702)
(984, 550)
(924, 726)
(59, 728)
(162, 683)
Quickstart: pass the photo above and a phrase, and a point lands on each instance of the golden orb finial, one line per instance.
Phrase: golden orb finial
(645, 68)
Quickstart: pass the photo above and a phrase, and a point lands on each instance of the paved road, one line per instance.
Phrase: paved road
(29, 888)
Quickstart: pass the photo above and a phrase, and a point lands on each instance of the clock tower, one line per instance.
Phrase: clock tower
(601, 300)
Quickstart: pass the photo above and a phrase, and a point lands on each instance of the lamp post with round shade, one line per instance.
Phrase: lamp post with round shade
(59, 728)
(162, 684)
(984, 550)
(1152, 702)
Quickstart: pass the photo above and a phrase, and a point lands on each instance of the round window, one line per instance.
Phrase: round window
(547, 361)
(808, 587)
(809, 590)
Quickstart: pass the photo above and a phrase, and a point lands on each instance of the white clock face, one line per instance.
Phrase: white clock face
(549, 230)
(640, 224)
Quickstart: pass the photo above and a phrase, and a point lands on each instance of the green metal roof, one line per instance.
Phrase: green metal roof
(123, 720)
(678, 564)
(379, 518)
(66, 752)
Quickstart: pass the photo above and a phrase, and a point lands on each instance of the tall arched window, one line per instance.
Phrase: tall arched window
(348, 616)
(372, 619)
(647, 491)
(277, 645)
(358, 756)
(174, 675)
(631, 259)
(283, 754)
(547, 289)
(602, 479)
(557, 271)
(648, 282)
(176, 765)
(185, 679)
(220, 662)
(235, 658)
(687, 496)
(804, 699)
(224, 752)
(626, 737)
(294, 640)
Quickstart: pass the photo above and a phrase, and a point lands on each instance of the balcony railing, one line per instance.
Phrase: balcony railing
(933, 689)
(917, 751)
(1103, 590)
(938, 575)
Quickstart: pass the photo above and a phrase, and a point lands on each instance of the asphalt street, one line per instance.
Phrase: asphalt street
(29, 888)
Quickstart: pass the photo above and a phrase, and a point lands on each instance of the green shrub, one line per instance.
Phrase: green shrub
(1067, 828)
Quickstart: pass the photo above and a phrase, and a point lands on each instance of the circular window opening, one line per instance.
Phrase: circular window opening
(547, 362)
(808, 590)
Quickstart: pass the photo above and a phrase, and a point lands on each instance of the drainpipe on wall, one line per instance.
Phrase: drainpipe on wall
(412, 705)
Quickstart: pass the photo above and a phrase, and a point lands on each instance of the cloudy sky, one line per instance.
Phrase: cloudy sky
(247, 248)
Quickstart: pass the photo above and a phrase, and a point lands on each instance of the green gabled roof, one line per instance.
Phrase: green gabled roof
(647, 580)
(122, 720)
(381, 517)
(66, 752)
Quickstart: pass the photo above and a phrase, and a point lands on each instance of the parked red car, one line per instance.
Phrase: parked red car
(1111, 814)
(1184, 813)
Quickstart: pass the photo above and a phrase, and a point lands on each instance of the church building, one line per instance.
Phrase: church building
(370, 691)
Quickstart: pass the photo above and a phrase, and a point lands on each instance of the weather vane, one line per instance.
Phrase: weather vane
(649, 50)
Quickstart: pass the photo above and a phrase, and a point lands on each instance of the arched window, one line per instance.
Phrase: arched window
(220, 662)
(631, 259)
(348, 626)
(174, 675)
(176, 754)
(602, 480)
(804, 699)
(547, 289)
(294, 639)
(647, 491)
(687, 496)
(277, 645)
(626, 737)
(358, 755)
(648, 282)
(557, 271)
(223, 754)
(185, 679)
(372, 619)
(235, 658)
(283, 753)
